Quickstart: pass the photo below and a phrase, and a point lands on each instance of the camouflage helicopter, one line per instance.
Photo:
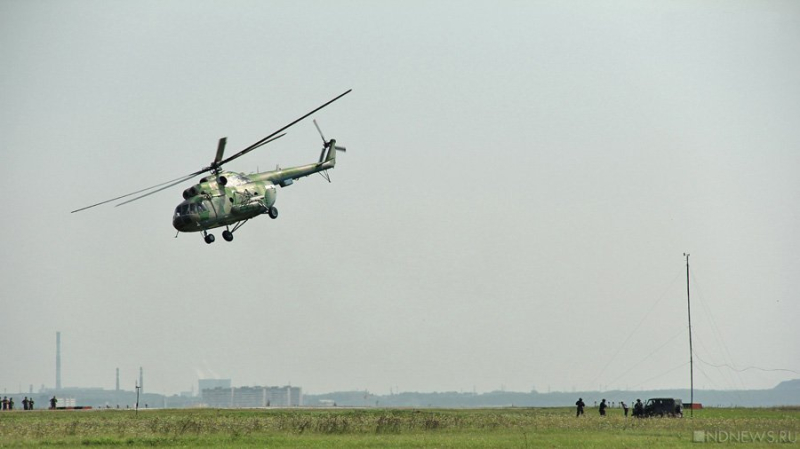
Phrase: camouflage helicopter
(229, 199)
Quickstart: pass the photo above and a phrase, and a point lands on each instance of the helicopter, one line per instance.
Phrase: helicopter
(229, 199)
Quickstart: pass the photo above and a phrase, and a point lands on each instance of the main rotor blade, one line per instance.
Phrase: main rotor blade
(182, 178)
(185, 178)
(188, 177)
(262, 141)
(268, 141)
(170, 183)
(217, 164)
(220, 150)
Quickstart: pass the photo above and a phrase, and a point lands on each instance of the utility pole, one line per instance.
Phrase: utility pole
(138, 387)
(691, 363)
(58, 361)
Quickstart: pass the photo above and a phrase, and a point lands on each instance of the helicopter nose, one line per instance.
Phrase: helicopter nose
(182, 223)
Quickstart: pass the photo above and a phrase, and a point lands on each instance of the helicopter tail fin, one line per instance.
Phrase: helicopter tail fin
(329, 159)
(332, 148)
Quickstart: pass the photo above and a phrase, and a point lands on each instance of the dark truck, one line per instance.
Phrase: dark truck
(663, 407)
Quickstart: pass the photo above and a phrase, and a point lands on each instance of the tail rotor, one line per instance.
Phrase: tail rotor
(328, 153)
(326, 145)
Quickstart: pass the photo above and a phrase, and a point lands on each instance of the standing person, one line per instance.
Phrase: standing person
(638, 409)
(603, 406)
(11, 403)
(4, 403)
(25, 403)
(624, 408)
(580, 405)
(30, 403)
(53, 402)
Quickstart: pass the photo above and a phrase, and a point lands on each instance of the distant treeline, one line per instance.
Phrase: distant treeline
(785, 394)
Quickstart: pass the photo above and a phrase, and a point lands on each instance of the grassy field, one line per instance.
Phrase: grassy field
(401, 428)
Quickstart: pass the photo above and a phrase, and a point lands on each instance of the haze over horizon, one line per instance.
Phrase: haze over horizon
(521, 182)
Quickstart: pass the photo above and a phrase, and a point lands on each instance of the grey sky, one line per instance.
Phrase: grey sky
(521, 181)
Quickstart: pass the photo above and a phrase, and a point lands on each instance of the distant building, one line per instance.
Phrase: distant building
(243, 397)
(66, 402)
(285, 396)
(210, 384)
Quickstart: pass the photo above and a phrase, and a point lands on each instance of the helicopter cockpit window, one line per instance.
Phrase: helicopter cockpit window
(184, 209)
(193, 208)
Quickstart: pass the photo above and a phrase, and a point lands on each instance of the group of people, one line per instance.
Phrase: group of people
(8, 403)
(638, 408)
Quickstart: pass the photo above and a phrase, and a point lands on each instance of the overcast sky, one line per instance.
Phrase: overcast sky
(521, 182)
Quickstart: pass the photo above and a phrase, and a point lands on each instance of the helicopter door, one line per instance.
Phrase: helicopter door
(202, 211)
(207, 210)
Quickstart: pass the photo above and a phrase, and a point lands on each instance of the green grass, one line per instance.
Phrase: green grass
(400, 428)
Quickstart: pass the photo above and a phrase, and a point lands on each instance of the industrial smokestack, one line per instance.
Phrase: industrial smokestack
(117, 380)
(58, 361)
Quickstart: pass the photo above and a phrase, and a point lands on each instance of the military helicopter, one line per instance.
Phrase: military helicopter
(229, 199)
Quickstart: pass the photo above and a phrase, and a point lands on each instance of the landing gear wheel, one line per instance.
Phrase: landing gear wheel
(227, 235)
(273, 212)
(209, 238)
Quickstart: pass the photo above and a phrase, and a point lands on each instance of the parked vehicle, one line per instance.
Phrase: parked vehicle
(663, 407)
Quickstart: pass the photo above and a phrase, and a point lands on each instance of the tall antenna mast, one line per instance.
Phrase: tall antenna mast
(58, 361)
(138, 387)
(691, 364)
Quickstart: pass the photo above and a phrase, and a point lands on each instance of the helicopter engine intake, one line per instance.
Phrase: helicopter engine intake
(191, 191)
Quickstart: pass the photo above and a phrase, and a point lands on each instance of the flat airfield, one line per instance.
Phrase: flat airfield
(396, 428)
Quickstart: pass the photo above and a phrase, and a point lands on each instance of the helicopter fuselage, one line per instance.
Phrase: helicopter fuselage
(223, 200)
(229, 198)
